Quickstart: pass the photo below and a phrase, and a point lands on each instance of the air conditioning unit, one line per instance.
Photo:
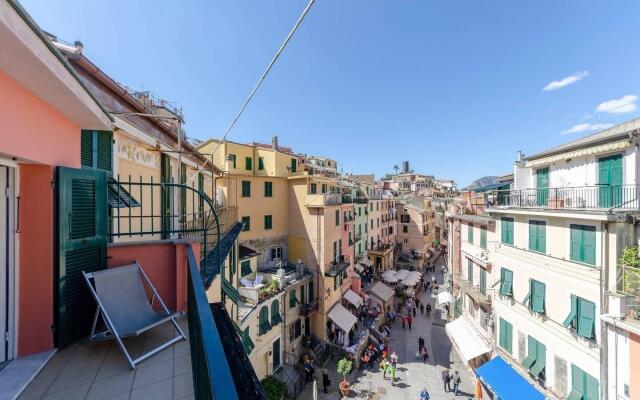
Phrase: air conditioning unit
(618, 305)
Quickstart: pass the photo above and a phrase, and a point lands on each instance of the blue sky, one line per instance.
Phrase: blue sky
(455, 87)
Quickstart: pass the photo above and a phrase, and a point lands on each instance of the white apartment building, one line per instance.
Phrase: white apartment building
(559, 234)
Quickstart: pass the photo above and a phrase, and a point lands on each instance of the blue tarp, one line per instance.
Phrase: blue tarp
(505, 382)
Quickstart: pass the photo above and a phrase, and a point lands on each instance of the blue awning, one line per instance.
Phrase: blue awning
(505, 382)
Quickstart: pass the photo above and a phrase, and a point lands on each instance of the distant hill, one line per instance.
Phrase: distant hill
(484, 181)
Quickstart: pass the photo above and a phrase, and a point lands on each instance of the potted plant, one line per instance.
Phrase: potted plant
(344, 368)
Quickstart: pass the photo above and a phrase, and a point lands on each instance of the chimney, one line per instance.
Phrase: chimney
(274, 143)
(79, 46)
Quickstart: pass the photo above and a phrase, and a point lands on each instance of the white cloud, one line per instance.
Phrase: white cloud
(625, 104)
(569, 80)
(586, 127)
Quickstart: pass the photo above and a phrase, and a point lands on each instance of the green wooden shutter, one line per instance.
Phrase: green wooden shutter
(275, 313)
(569, 321)
(507, 230)
(576, 242)
(263, 321)
(506, 282)
(268, 189)
(293, 301)
(260, 163)
(506, 335)
(537, 236)
(592, 391)
(268, 222)
(294, 165)
(531, 353)
(246, 224)
(483, 237)
(248, 163)
(470, 233)
(483, 281)
(276, 354)
(470, 270)
(538, 296)
(104, 150)
(82, 241)
(541, 360)
(586, 318)
(246, 188)
(542, 186)
(589, 245)
(86, 149)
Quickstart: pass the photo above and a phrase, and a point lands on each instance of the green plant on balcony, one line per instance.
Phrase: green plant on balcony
(629, 272)
(268, 290)
(275, 390)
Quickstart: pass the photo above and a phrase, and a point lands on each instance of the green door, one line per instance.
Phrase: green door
(82, 246)
(276, 354)
(610, 181)
(542, 186)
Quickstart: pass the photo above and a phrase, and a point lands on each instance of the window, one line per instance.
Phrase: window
(483, 281)
(537, 236)
(303, 298)
(404, 218)
(247, 343)
(405, 229)
(275, 313)
(470, 233)
(260, 163)
(232, 160)
(583, 244)
(96, 150)
(337, 217)
(246, 188)
(295, 330)
(583, 385)
(507, 230)
(245, 268)
(248, 163)
(391, 230)
(506, 282)
(268, 222)
(246, 224)
(536, 296)
(276, 253)
(371, 206)
(582, 317)
(268, 189)
(324, 188)
(377, 222)
(294, 165)
(310, 292)
(263, 321)
(377, 206)
(293, 299)
(483, 237)
(371, 223)
(536, 358)
(470, 270)
(314, 188)
(506, 335)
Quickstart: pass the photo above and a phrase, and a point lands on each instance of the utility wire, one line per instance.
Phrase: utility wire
(262, 78)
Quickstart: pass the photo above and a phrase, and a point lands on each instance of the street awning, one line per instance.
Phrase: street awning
(505, 382)
(467, 341)
(382, 291)
(444, 298)
(342, 317)
(353, 298)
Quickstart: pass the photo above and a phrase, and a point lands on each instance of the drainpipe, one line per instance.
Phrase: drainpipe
(604, 290)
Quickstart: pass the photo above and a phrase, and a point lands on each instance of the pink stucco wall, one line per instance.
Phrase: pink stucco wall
(33, 130)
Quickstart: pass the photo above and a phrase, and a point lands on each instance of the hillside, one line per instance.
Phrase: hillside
(485, 180)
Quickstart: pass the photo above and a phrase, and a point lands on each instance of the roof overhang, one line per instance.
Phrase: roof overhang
(28, 57)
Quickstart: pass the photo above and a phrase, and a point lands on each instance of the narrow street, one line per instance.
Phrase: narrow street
(412, 374)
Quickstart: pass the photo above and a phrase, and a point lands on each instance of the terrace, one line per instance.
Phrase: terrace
(598, 197)
(211, 363)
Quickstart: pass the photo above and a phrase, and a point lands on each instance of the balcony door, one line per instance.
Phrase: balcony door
(7, 266)
(542, 186)
(610, 181)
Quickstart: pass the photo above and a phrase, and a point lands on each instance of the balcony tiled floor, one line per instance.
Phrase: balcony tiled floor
(93, 371)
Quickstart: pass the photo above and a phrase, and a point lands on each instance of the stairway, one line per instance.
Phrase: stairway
(215, 258)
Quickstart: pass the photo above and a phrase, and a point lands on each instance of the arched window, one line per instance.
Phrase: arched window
(263, 321)
(275, 313)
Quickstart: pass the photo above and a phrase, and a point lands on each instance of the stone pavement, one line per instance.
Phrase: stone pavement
(412, 374)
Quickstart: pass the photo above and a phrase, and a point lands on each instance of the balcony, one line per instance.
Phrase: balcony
(323, 200)
(474, 292)
(381, 249)
(335, 268)
(305, 309)
(272, 283)
(599, 197)
(99, 370)
(628, 285)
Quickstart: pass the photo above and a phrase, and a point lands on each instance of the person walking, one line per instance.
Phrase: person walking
(404, 320)
(409, 320)
(421, 309)
(456, 382)
(424, 354)
(383, 367)
(446, 380)
(428, 310)
(420, 342)
(308, 370)
(424, 394)
(414, 311)
(326, 382)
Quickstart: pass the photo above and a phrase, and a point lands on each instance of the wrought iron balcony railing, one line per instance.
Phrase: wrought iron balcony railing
(625, 197)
